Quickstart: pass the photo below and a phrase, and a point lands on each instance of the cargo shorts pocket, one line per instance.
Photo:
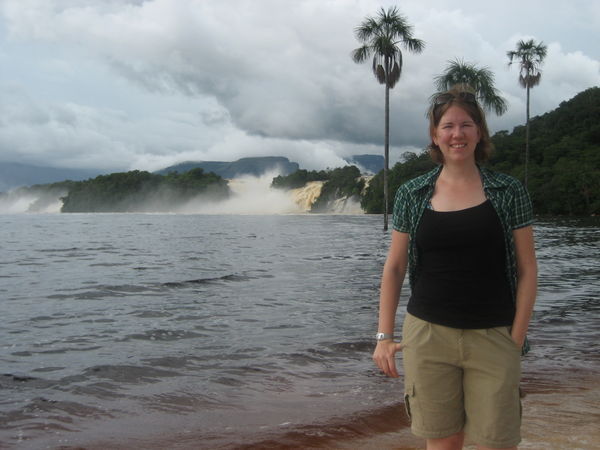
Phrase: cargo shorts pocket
(505, 332)
(413, 330)
(409, 393)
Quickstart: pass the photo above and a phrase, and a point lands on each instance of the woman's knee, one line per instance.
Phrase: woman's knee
(453, 442)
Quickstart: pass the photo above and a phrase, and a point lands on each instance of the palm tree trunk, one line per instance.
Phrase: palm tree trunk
(386, 156)
(527, 140)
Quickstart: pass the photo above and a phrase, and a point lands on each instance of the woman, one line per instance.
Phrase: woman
(464, 234)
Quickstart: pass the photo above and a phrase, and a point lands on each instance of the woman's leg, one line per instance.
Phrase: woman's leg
(492, 370)
(454, 442)
(433, 383)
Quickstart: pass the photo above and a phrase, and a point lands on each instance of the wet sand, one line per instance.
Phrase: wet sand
(561, 411)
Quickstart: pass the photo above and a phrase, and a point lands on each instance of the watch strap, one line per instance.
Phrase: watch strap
(383, 336)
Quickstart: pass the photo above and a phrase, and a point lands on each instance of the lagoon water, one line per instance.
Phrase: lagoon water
(207, 331)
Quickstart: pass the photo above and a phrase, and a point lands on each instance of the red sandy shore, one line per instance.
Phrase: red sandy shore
(560, 412)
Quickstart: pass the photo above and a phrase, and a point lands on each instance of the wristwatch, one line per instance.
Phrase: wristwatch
(384, 336)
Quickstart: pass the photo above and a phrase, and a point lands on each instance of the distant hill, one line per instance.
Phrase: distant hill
(370, 163)
(13, 175)
(245, 166)
(564, 164)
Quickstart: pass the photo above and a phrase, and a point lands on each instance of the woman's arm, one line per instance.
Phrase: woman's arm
(526, 282)
(394, 271)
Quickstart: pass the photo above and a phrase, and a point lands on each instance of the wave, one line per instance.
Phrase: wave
(101, 291)
(327, 434)
(231, 277)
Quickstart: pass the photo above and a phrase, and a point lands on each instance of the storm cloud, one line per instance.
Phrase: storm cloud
(144, 84)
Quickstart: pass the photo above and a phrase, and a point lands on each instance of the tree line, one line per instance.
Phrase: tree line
(142, 191)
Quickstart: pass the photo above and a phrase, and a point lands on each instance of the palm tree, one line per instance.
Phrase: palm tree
(381, 37)
(480, 80)
(530, 56)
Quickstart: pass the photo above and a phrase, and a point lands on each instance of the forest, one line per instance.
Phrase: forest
(143, 191)
(564, 161)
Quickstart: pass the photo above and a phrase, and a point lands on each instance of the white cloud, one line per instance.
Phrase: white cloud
(149, 83)
(566, 72)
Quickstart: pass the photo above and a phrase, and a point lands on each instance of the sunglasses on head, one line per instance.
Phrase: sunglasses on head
(445, 98)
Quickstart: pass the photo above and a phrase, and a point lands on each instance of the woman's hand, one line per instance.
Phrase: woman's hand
(518, 339)
(385, 356)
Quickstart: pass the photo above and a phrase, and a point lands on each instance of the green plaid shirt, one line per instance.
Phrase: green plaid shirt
(508, 196)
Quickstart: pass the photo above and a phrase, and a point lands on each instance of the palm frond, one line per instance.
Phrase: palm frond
(400, 64)
(381, 37)
(365, 31)
(414, 45)
(523, 81)
(380, 74)
(531, 80)
(467, 76)
(394, 75)
(530, 56)
(361, 54)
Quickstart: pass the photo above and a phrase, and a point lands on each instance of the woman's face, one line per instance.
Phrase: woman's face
(457, 136)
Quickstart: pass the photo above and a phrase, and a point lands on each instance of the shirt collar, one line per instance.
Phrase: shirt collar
(427, 180)
(491, 180)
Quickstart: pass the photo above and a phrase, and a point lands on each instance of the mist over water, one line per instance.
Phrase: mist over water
(16, 202)
(249, 195)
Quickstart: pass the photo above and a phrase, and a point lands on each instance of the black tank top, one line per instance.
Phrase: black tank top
(461, 278)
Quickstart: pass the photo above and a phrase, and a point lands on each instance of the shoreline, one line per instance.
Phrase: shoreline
(560, 412)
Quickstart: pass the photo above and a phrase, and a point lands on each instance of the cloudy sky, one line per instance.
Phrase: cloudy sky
(134, 84)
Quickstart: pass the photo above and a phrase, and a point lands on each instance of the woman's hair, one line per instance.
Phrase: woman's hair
(465, 99)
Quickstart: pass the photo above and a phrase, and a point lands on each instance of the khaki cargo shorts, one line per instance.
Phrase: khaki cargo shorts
(462, 379)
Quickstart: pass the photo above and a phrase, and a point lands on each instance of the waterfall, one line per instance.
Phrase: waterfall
(305, 196)
(346, 205)
(249, 195)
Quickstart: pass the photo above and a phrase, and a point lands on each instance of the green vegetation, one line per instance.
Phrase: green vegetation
(564, 165)
(299, 178)
(564, 159)
(138, 191)
(412, 165)
(342, 182)
(481, 80)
